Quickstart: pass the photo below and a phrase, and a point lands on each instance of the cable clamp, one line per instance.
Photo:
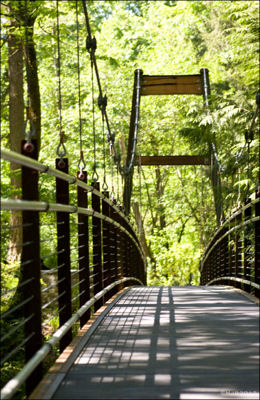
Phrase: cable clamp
(61, 150)
(81, 162)
(257, 99)
(117, 158)
(91, 44)
(95, 175)
(111, 137)
(249, 136)
(102, 102)
(28, 146)
(105, 186)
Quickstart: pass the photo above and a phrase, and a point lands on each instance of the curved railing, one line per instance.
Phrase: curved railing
(233, 255)
(78, 249)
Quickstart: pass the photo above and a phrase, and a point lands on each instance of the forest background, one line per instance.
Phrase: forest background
(161, 38)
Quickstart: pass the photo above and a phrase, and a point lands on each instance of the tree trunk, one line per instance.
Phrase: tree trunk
(159, 192)
(33, 81)
(16, 108)
(140, 229)
(217, 191)
(16, 122)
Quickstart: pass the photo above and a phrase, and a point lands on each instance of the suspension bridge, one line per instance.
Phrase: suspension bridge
(90, 327)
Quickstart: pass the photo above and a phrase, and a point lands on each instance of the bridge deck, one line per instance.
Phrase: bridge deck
(167, 343)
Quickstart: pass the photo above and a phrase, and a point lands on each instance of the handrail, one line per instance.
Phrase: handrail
(18, 158)
(14, 384)
(233, 255)
(92, 232)
(227, 221)
(22, 205)
(215, 243)
(232, 278)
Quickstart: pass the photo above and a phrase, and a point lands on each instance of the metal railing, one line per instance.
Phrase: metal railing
(233, 255)
(73, 258)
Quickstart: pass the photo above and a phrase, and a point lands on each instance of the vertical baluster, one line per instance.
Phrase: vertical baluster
(225, 253)
(114, 248)
(31, 269)
(138, 264)
(125, 249)
(83, 244)
(144, 280)
(126, 272)
(111, 247)
(206, 270)
(106, 246)
(238, 255)
(247, 245)
(120, 250)
(211, 266)
(218, 258)
(215, 262)
(97, 248)
(221, 253)
(257, 244)
(129, 271)
(133, 260)
(64, 270)
(230, 253)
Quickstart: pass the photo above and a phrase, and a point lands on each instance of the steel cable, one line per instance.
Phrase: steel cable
(61, 150)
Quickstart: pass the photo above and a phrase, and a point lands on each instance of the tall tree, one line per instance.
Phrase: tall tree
(21, 16)
(16, 119)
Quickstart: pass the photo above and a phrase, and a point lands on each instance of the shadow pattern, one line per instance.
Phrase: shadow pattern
(170, 343)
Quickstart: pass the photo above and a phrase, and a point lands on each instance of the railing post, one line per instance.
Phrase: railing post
(125, 255)
(230, 253)
(119, 219)
(97, 248)
(63, 235)
(138, 264)
(133, 269)
(83, 244)
(217, 251)
(247, 244)
(31, 270)
(257, 244)
(238, 256)
(113, 246)
(106, 246)
(215, 259)
(225, 253)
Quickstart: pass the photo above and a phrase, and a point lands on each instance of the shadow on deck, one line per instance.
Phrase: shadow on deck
(163, 343)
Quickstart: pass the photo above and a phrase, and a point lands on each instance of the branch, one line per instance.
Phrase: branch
(186, 197)
(149, 198)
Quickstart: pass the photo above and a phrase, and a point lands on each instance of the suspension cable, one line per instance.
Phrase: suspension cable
(91, 47)
(117, 184)
(102, 103)
(90, 41)
(28, 146)
(140, 183)
(61, 150)
(112, 171)
(81, 162)
(124, 170)
(239, 189)
(249, 136)
(249, 133)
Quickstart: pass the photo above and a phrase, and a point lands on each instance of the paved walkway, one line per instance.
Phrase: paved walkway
(170, 343)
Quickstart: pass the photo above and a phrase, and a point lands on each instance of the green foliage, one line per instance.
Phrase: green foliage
(166, 37)
(161, 38)
(9, 281)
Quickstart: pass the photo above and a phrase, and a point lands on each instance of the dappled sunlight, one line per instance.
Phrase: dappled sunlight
(175, 343)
